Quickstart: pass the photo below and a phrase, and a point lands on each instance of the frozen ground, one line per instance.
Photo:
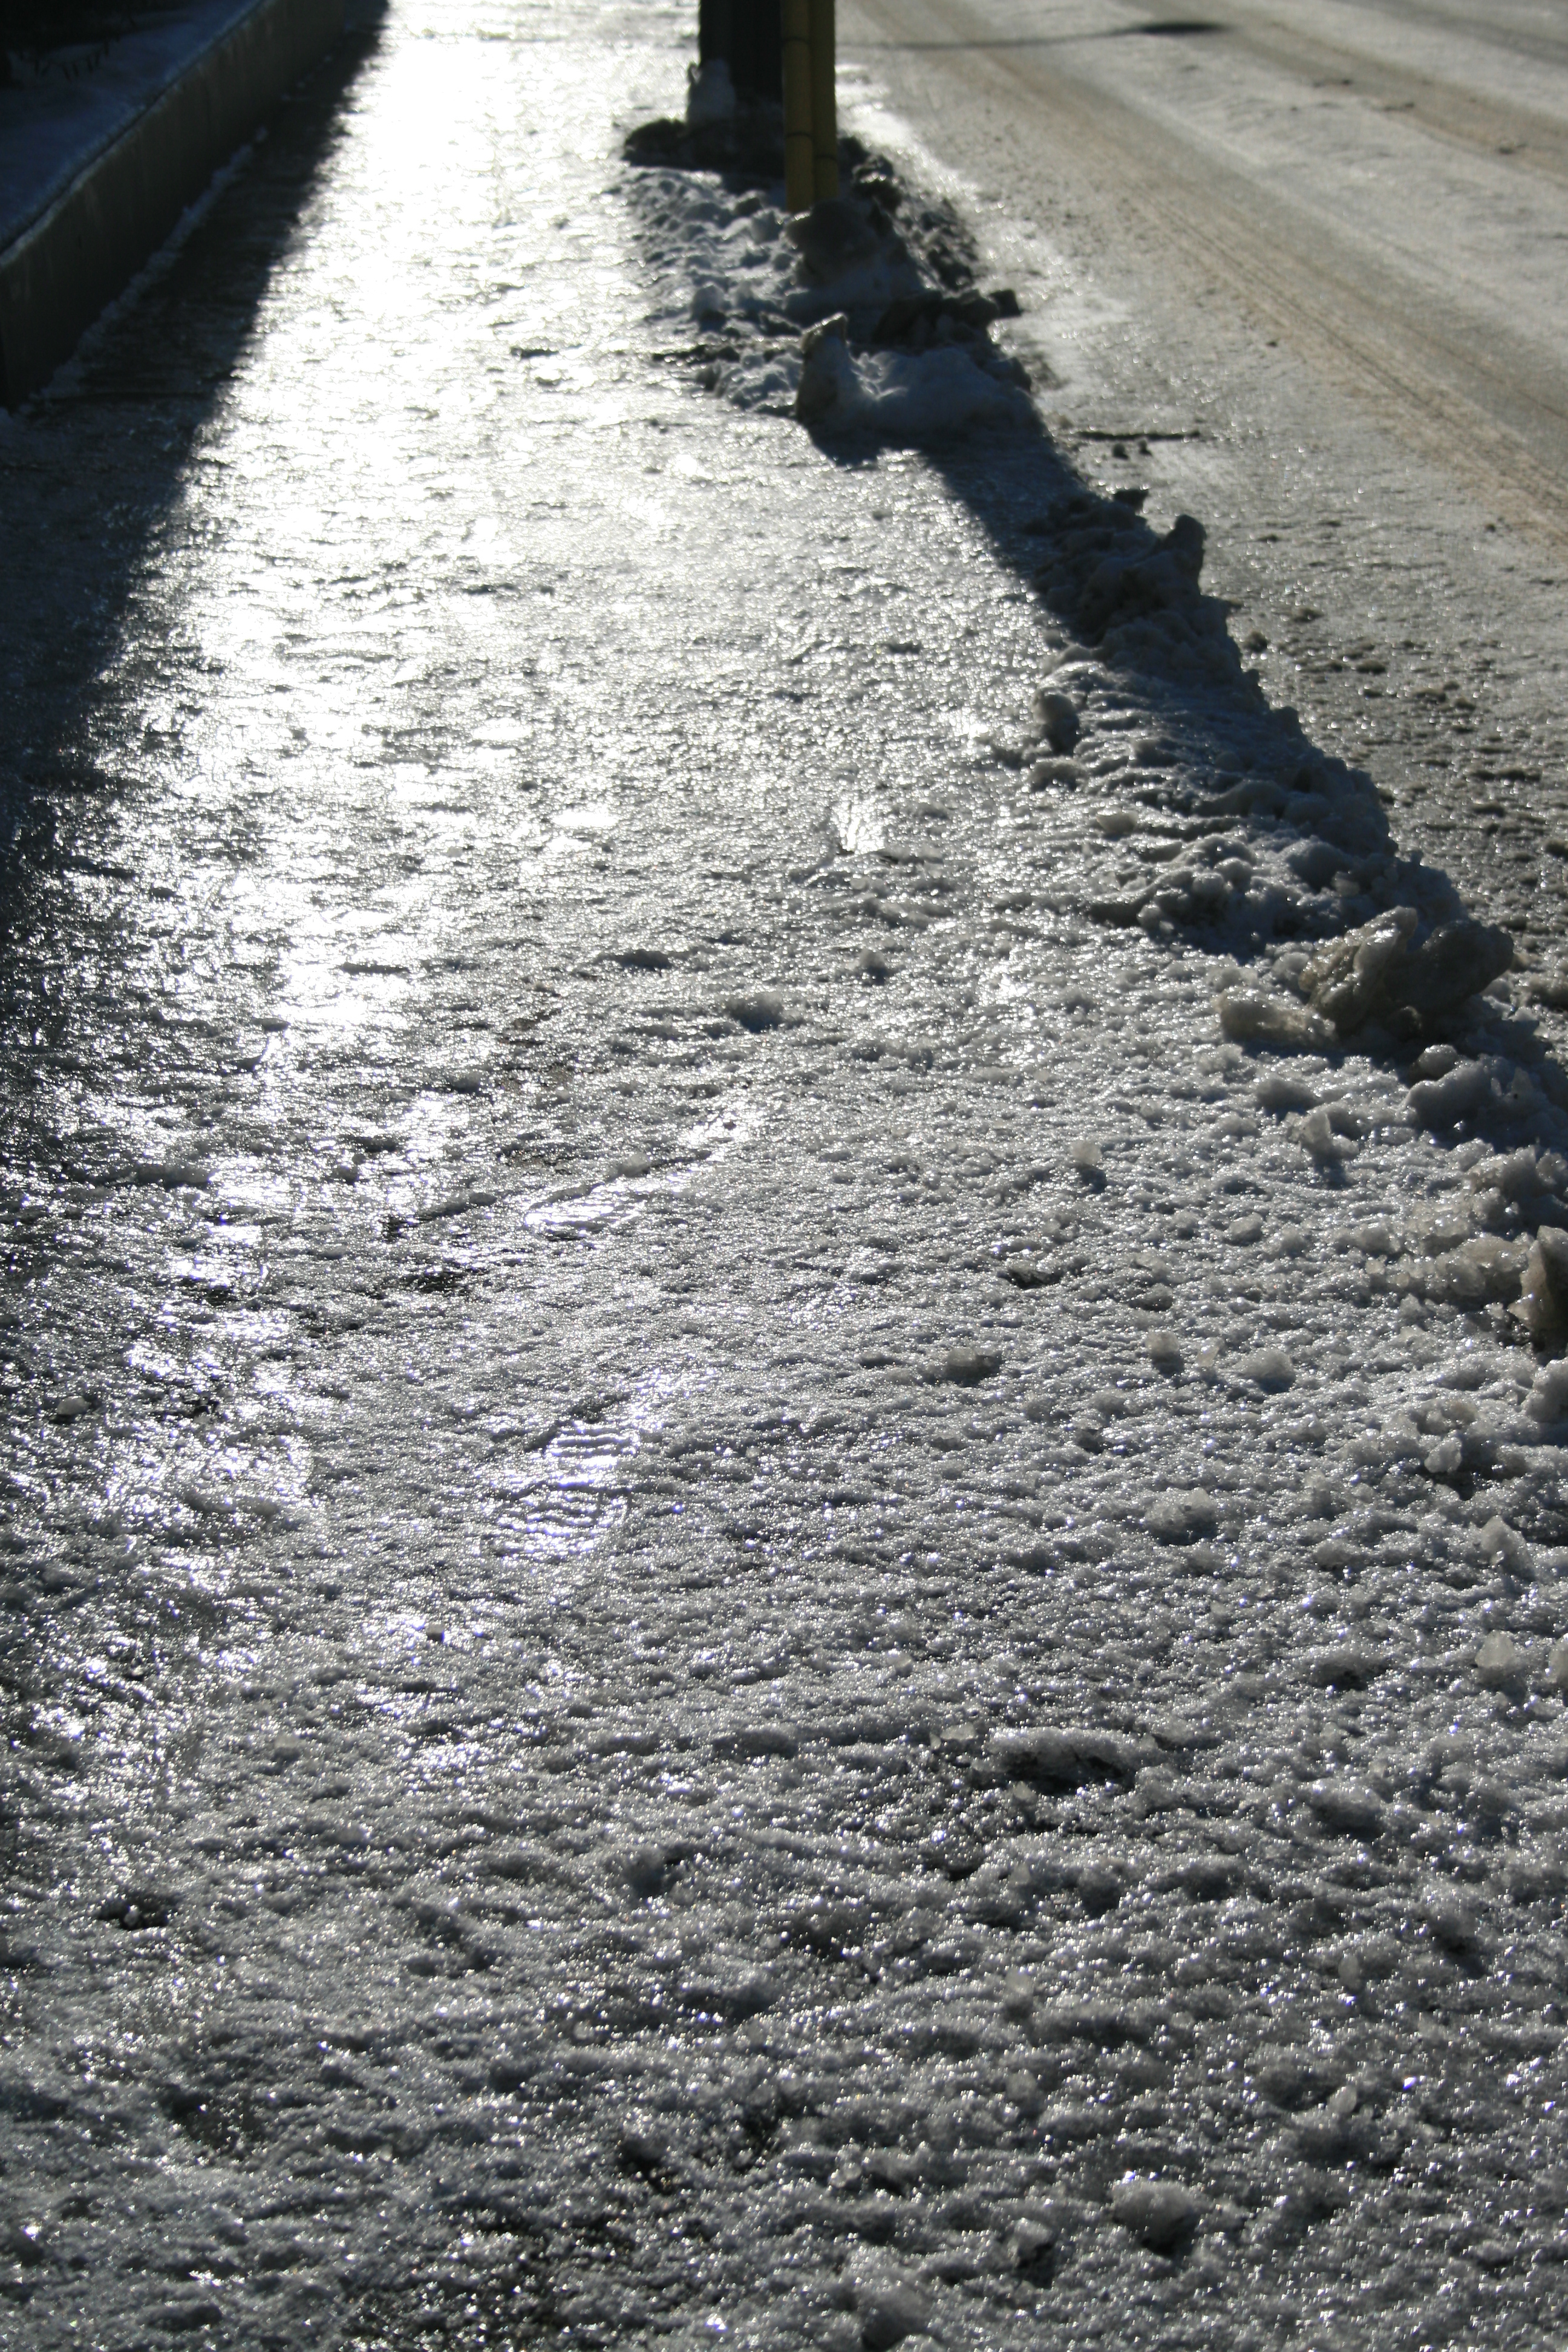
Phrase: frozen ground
(748, 1601)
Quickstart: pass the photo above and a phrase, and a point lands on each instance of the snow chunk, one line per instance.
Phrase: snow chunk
(1258, 1016)
(1440, 1101)
(1373, 1240)
(763, 1009)
(1345, 979)
(889, 2313)
(1479, 1273)
(1543, 1306)
(1374, 970)
(1500, 1663)
(1450, 1922)
(900, 395)
(1270, 1367)
(1278, 1091)
(1158, 2213)
(1058, 720)
(1548, 1400)
(1346, 1808)
(1345, 1667)
(1316, 1136)
(644, 2144)
(174, 1175)
(1181, 1519)
(1065, 1760)
(756, 1740)
(1500, 1542)
(1033, 2246)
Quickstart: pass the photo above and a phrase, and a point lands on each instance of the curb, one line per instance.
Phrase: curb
(67, 264)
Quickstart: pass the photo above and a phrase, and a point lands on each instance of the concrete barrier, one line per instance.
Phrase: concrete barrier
(58, 274)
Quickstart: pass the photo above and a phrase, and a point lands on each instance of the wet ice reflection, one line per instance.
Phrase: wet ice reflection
(573, 1499)
(580, 1527)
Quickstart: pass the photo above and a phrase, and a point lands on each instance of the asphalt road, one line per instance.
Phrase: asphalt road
(1385, 187)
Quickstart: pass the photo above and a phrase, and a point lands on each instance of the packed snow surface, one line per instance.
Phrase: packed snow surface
(786, 1545)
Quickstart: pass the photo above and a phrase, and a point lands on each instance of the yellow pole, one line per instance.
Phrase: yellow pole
(824, 100)
(800, 154)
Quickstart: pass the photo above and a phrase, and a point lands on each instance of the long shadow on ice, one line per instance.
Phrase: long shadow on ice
(1208, 812)
(1203, 812)
(1283, 848)
(1185, 805)
(1269, 851)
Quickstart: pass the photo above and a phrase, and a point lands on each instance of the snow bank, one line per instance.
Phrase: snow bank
(830, 316)
(902, 396)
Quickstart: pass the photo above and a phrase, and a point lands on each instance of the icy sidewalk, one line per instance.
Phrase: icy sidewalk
(749, 1600)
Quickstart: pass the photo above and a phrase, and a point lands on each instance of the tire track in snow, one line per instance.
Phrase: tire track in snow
(1487, 405)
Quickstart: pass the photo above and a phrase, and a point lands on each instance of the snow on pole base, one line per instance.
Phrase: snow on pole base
(709, 95)
(902, 397)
